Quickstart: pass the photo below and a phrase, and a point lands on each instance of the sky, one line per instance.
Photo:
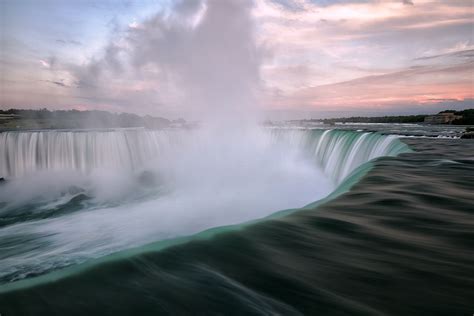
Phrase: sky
(314, 58)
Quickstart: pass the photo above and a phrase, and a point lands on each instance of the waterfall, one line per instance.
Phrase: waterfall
(93, 193)
(340, 152)
(123, 149)
(337, 152)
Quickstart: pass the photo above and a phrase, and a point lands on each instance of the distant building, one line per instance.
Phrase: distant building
(442, 118)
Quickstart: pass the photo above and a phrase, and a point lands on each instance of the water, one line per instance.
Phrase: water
(88, 194)
(401, 129)
(398, 242)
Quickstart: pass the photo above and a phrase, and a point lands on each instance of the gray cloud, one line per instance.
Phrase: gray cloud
(58, 83)
(68, 42)
(463, 54)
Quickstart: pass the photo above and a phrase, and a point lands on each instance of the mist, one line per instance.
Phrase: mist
(199, 60)
(126, 188)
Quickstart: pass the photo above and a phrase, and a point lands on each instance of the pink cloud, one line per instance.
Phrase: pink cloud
(423, 85)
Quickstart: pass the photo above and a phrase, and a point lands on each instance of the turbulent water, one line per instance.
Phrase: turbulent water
(399, 241)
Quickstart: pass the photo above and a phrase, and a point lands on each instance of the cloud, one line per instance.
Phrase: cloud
(57, 83)
(48, 62)
(345, 40)
(294, 51)
(415, 85)
(460, 50)
(69, 42)
(44, 63)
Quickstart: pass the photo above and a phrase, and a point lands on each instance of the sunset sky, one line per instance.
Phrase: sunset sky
(318, 58)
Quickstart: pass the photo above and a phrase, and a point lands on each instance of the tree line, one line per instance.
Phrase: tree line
(44, 118)
(467, 118)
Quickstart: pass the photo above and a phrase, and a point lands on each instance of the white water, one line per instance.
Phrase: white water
(190, 186)
(131, 150)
